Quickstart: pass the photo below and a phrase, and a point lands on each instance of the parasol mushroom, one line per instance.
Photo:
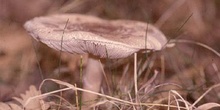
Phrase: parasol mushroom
(112, 39)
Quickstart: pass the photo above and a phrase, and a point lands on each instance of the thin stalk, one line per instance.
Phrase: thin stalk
(81, 82)
(135, 77)
(196, 43)
(77, 98)
(61, 47)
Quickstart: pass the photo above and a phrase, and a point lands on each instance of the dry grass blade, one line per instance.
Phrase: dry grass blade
(203, 95)
(169, 12)
(72, 87)
(183, 100)
(207, 106)
(72, 5)
(135, 77)
(196, 43)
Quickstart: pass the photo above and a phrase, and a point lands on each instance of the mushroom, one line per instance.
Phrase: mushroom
(112, 39)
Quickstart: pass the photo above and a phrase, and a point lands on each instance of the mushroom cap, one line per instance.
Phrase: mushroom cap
(88, 34)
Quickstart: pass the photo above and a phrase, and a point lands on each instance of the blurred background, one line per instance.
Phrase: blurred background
(25, 62)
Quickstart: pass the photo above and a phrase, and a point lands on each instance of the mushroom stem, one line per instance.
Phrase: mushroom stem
(92, 79)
